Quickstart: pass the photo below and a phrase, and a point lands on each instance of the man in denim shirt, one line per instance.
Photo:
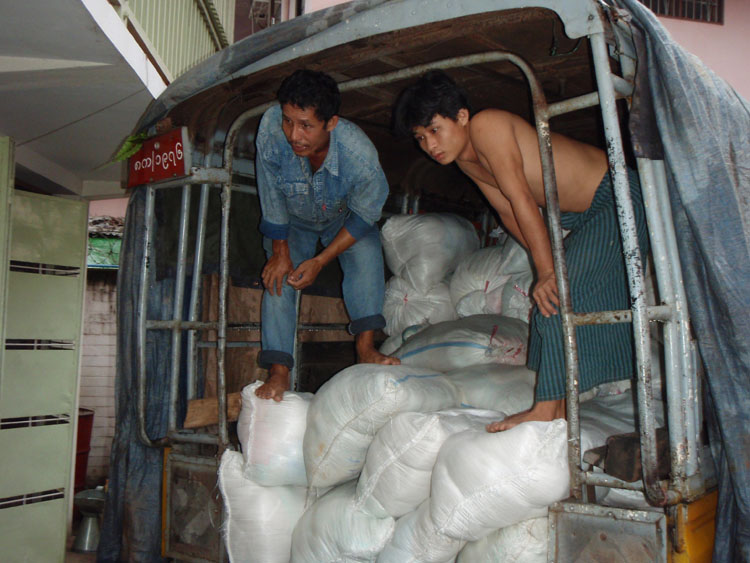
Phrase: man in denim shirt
(318, 178)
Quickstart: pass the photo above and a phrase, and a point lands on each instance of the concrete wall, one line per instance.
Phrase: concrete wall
(722, 48)
(97, 390)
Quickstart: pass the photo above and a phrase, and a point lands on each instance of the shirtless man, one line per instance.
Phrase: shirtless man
(499, 151)
(318, 178)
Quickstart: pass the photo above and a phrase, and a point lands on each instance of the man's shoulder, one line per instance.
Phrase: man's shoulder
(353, 141)
(495, 116)
(270, 136)
(270, 120)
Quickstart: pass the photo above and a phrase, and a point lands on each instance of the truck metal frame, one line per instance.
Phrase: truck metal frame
(606, 30)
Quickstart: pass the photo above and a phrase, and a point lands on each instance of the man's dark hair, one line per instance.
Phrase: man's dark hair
(311, 89)
(435, 93)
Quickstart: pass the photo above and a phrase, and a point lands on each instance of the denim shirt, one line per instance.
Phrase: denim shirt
(350, 180)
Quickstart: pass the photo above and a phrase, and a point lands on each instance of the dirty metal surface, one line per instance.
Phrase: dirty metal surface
(583, 533)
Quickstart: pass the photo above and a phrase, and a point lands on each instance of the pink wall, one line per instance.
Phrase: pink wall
(721, 47)
(109, 207)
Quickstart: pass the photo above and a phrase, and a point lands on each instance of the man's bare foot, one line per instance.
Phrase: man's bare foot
(276, 384)
(368, 354)
(543, 411)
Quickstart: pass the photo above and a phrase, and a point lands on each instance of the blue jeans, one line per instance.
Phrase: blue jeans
(363, 287)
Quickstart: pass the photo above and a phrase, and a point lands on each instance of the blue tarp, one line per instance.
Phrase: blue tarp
(704, 128)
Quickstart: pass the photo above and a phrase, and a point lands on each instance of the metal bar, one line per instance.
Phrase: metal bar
(230, 344)
(141, 318)
(195, 290)
(294, 372)
(573, 104)
(179, 294)
(197, 175)
(604, 480)
(657, 312)
(623, 89)
(221, 337)
(691, 390)
(185, 325)
(570, 344)
(634, 268)
(214, 325)
(672, 363)
(194, 438)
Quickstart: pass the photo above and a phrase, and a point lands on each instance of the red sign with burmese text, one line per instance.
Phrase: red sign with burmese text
(160, 158)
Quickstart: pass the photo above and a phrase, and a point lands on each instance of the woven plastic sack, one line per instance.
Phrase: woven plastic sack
(498, 387)
(525, 542)
(425, 249)
(271, 435)
(332, 530)
(417, 539)
(479, 339)
(350, 408)
(395, 479)
(258, 520)
(405, 306)
(482, 481)
(495, 280)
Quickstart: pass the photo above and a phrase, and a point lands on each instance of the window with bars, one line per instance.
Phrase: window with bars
(711, 11)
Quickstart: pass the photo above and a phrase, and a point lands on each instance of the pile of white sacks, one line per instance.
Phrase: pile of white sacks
(393, 463)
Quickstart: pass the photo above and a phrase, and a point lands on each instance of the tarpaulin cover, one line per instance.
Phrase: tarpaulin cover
(131, 525)
(704, 128)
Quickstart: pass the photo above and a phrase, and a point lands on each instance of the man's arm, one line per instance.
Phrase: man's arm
(275, 219)
(306, 273)
(495, 142)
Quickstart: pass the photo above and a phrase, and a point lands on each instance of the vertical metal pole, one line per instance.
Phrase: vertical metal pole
(673, 364)
(141, 312)
(633, 265)
(200, 239)
(294, 372)
(221, 344)
(570, 344)
(179, 294)
(691, 391)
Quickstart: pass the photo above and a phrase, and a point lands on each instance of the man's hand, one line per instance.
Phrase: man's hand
(545, 293)
(305, 274)
(278, 266)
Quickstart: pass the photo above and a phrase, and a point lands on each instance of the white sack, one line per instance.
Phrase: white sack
(391, 344)
(396, 476)
(482, 481)
(271, 435)
(495, 280)
(499, 387)
(349, 409)
(525, 542)
(424, 249)
(479, 339)
(405, 306)
(417, 539)
(258, 521)
(333, 530)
